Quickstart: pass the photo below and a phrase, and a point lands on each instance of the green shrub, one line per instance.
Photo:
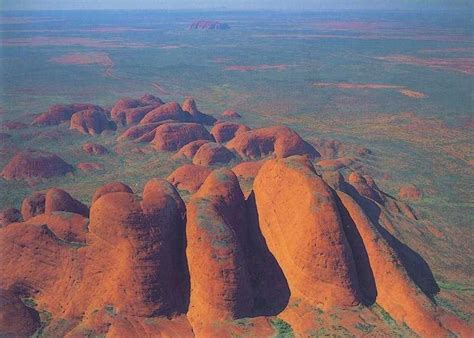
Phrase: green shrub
(282, 328)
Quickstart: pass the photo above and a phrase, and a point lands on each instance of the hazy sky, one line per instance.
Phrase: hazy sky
(233, 4)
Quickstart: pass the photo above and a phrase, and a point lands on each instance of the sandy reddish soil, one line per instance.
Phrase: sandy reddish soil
(369, 36)
(348, 25)
(241, 68)
(447, 50)
(412, 93)
(93, 58)
(39, 41)
(345, 85)
(464, 65)
(25, 20)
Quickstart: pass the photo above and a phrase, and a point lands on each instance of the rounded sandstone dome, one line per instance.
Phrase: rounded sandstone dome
(35, 164)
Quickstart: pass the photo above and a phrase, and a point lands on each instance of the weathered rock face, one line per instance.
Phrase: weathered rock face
(33, 259)
(127, 110)
(16, 319)
(33, 205)
(230, 114)
(245, 257)
(213, 153)
(135, 132)
(9, 215)
(109, 188)
(189, 177)
(168, 111)
(94, 149)
(91, 122)
(410, 192)
(334, 179)
(220, 284)
(225, 131)
(299, 242)
(248, 169)
(35, 164)
(207, 24)
(149, 99)
(173, 136)
(134, 115)
(59, 200)
(359, 183)
(133, 262)
(280, 141)
(150, 237)
(62, 112)
(124, 103)
(309, 242)
(69, 227)
(189, 105)
(189, 150)
(51, 201)
(382, 276)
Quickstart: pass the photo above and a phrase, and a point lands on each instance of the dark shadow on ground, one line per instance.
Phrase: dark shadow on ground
(416, 267)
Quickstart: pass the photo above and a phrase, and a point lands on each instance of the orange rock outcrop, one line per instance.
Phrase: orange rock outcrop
(189, 150)
(167, 111)
(91, 122)
(279, 140)
(9, 215)
(220, 283)
(173, 136)
(189, 177)
(225, 131)
(410, 192)
(94, 149)
(110, 188)
(212, 154)
(132, 264)
(128, 111)
(62, 112)
(230, 114)
(35, 164)
(189, 105)
(309, 242)
(248, 169)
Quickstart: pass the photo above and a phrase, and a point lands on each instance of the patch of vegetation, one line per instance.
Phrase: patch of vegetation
(282, 328)
(109, 308)
(46, 318)
(295, 303)
(399, 330)
(149, 320)
(454, 286)
(383, 315)
(341, 331)
(365, 327)
(30, 302)
(319, 311)
(243, 322)
(319, 332)
(443, 302)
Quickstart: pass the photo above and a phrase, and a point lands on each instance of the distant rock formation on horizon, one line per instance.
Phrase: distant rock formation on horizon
(208, 24)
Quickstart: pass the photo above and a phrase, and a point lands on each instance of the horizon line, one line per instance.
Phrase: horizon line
(238, 9)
